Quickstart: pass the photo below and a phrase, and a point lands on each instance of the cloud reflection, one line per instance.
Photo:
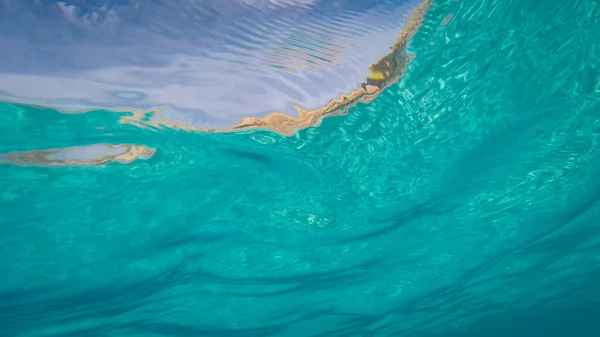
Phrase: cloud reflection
(204, 63)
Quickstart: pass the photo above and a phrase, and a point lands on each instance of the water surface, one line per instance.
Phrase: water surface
(198, 63)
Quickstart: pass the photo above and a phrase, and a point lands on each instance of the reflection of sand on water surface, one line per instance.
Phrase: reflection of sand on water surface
(383, 73)
(221, 80)
(89, 155)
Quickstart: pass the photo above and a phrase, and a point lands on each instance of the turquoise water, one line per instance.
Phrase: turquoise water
(462, 201)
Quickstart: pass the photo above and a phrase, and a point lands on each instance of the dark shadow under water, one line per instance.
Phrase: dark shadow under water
(575, 320)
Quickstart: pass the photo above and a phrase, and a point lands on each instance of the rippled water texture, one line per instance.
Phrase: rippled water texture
(196, 63)
(462, 201)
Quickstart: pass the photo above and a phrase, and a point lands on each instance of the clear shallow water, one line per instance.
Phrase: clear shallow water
(462, 201)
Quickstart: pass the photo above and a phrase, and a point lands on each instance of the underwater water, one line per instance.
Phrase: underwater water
(462, 201)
